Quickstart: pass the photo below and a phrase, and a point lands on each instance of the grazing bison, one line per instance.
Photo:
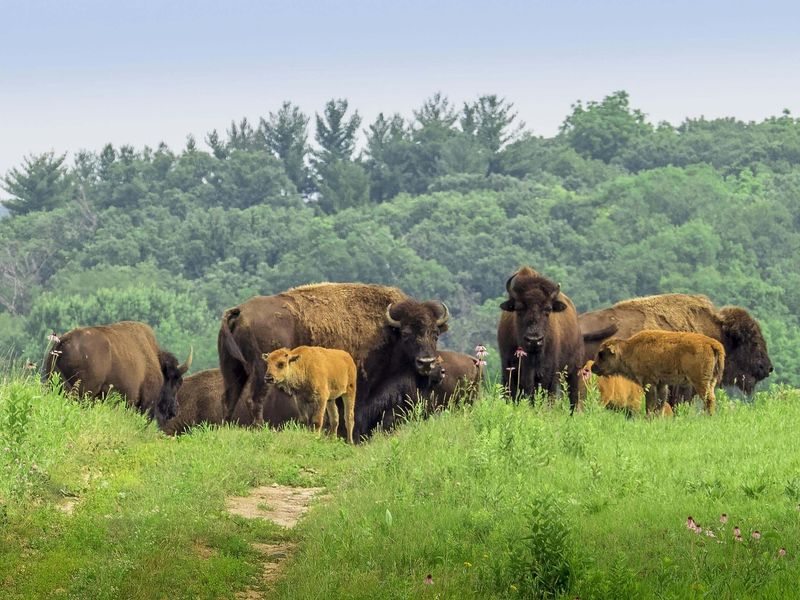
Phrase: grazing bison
(663, 358)
(123, 357)
(454, 377)
(380, 327)
(747, 361)
(617, 392)
(201, 399)
(539, 335)
(315, 377)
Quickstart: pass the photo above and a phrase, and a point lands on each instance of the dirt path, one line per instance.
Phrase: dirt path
(282, 505)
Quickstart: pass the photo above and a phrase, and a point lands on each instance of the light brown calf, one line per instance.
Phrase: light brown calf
(662, 358)
(617, 392)
(316, 377)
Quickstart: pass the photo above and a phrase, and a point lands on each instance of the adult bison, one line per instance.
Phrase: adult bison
(746, 359)
(538, 337)
(454, 377)
(123, 357)
(379, 326)
(201, 399)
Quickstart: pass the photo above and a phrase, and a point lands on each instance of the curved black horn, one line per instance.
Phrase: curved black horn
(509, 281)
(389, 319)
(185, 366)
(443, 319)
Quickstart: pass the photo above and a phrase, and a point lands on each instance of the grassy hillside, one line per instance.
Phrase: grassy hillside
(495, 500)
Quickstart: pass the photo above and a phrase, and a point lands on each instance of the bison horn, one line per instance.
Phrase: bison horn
(185, 366)
(443, 319)
(389, 319)
(509, 281)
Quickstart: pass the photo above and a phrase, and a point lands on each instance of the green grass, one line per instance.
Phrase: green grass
(493, 501)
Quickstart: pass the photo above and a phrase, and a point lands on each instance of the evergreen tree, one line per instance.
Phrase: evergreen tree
(41, 183)
(286, 135)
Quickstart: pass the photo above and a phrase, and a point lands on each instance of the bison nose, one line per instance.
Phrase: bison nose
(771, 369)
(534, 340)
(268, 379)
(424, 364)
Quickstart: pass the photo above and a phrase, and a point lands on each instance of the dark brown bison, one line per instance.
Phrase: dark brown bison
(201, 399)
(454, 377)
(380, 327)
(747, 361)
(538, 337)
(656, 359)
(123, 357)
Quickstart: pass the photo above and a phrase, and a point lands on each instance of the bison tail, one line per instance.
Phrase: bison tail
(226, 339)
(52, 351)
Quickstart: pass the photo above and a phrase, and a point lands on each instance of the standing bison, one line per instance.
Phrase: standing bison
(746, 359)
(539, 335)
(123, 357)
(379, 326)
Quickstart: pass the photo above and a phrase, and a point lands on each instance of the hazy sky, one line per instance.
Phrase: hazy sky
(79, 74)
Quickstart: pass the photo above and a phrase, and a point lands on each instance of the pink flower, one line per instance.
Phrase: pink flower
(738, 538)
(737, 531)
(756, 535)
(53, 338)
(698, 530)
(690, 524)
(481, 363)
(428, 579)
(520, 353)
(723, 518)
(55, 352)
(710, 533)
(480, 351)
(509, 369)
(782, 552)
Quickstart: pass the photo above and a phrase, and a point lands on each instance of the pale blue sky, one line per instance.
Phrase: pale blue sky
(79, 74)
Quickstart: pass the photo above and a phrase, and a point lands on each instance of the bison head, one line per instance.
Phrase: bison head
(418, 325)
(746, 359)
(173, 373)
(532, 298)
(609, 360)
(278, 366)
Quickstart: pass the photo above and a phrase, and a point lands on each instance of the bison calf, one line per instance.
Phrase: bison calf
(663, 358)
(617, 392)
(316, 377)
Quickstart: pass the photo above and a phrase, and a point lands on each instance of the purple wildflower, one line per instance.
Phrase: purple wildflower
(480, 351)
(723, 518)
(520, 353)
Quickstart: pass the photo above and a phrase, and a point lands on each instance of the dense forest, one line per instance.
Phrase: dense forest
(444, 203)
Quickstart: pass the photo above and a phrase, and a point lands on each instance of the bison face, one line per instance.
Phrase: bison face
(608, 360)
(532, 299)
(419, 325)
(172, 373)
(278, 366)
(746, 359)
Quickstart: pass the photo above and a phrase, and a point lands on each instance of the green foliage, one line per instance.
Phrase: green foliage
(42, 183)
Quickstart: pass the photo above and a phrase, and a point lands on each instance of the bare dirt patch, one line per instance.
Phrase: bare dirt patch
(283, 505)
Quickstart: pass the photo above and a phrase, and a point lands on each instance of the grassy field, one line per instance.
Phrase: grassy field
(491, 501)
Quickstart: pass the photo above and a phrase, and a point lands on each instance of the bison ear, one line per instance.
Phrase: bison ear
(507, 306)
(294, 358)
(265, 356)
(559, 306)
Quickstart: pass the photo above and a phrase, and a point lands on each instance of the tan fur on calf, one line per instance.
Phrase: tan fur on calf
(617, 392)
(662, 358)
(316, 377)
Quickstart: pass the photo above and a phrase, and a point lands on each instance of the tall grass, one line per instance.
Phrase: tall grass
(496, 500)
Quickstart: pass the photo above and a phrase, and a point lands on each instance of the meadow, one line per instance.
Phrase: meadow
(494, 500)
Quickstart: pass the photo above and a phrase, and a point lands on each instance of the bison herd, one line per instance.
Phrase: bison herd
(369, 352)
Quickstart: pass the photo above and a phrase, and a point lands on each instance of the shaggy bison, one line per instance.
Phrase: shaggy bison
(747, 361)
(539, 335)
(380, 327)
(315, 377)
(123, 357)
(663, 358)
(201, 399)
(617, 392)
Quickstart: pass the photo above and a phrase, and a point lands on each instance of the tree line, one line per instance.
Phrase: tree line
(445, 203)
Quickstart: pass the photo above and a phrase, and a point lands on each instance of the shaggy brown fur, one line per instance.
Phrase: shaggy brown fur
(316, 377)
(123, 357)
(542, 321)
(747, 360)
(617, 392)
(662, 358)
(201, 399)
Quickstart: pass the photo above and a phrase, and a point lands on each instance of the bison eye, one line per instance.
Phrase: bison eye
(281, 365)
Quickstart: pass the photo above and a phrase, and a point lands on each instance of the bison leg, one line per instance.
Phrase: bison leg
(654, 398)
(349, 401)
(705, 389)
(333, 417)
(319, 414)
(573, 389)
